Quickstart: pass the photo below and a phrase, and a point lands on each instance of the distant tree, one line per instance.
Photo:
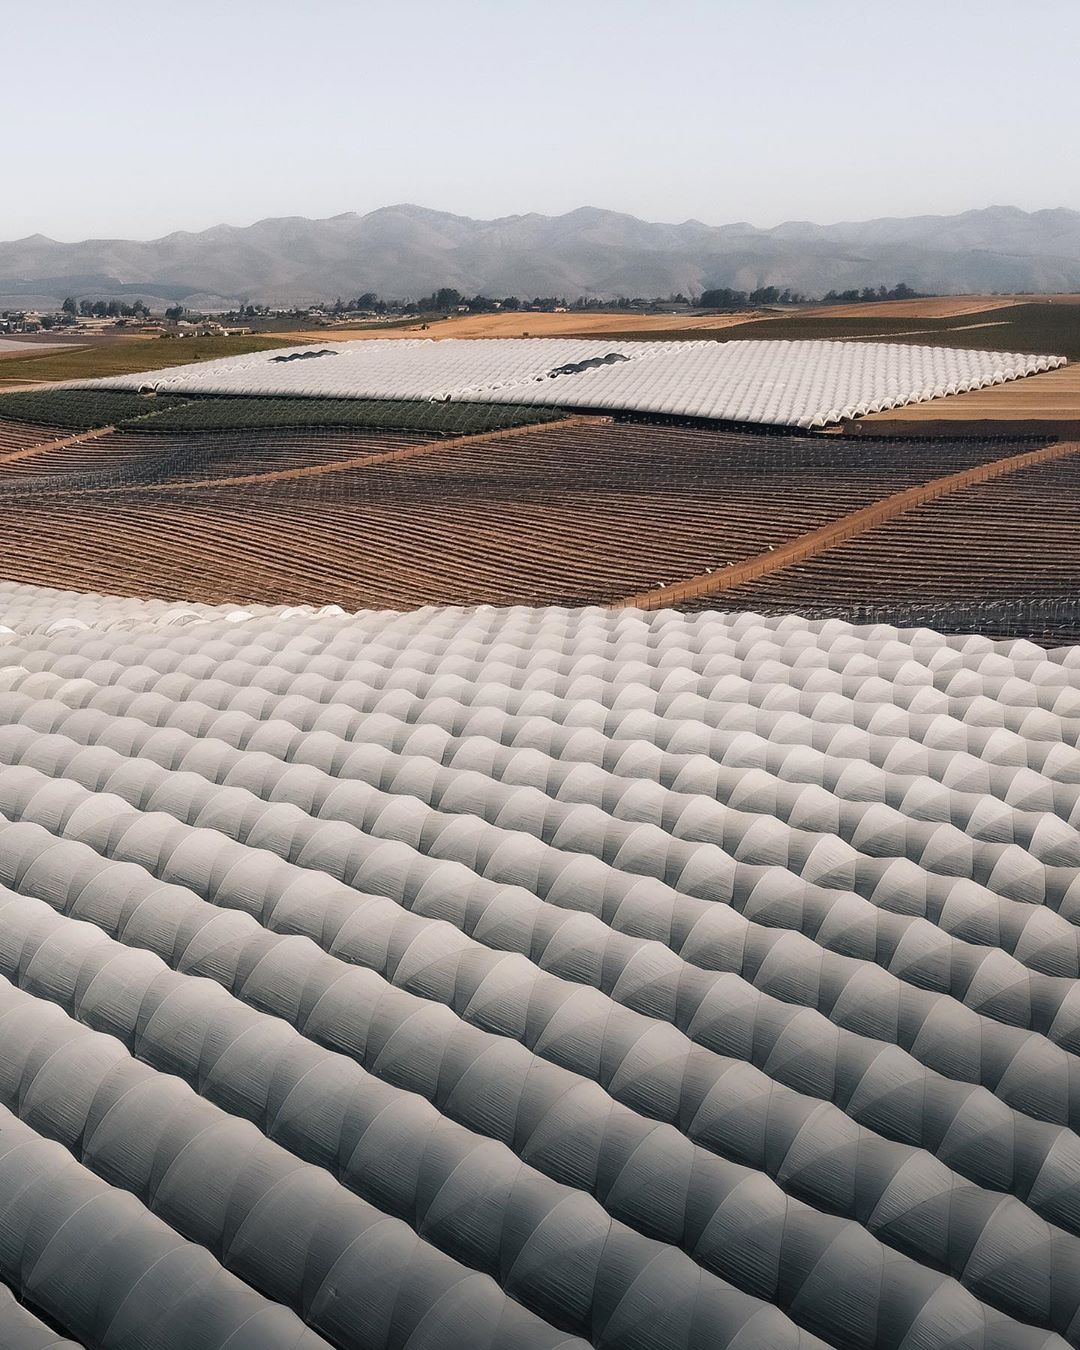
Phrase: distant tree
(447, 298)
(70, 306)
(101, 309)
(175, 312)
(112, 309)
(48, 320)
(511, 302)
(901, 291)
(722, 297)
(86, 308)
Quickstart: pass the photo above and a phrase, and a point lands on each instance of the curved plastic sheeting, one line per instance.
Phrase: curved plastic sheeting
(657, 966)
(719, 1011)
(426, 1048)
(399, 818)
(388, 1144)
(21, 1330)
(355, 1274)
(98, 1263)
(801, 383)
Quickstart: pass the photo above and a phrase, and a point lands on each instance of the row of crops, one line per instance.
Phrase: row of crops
(84, 410)
(80, 409)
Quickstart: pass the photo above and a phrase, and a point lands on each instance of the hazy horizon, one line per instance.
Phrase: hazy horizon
(511, 215)
(143, 119)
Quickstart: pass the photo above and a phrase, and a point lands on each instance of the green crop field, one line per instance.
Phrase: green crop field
(80, 409)
(126, 356)
(84, 409)
(253, 413)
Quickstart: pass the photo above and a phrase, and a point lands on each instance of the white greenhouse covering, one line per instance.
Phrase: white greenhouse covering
(804, 383)
(534, 978)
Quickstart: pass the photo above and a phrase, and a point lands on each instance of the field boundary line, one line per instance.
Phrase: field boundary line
(77, 437)
(839, 531)
(57, 444)
(357, 461)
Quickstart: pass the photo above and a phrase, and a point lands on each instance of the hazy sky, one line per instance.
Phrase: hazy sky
(137, 117)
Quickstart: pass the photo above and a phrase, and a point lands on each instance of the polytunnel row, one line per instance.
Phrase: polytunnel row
(21, 1330)
(92, 1259)
(1005, 868)
(525, 875)
(382, 1140)
(705, 871)
(974, 711)
(895, 676)
(356, 1275)
(1018, 782)
(399, 368)
(794, 383)
(721, 1013)
(431, 1051)
(522, 633)
(401, 1045)
(799, 383)
(1036, 911)
(726, 1015)
(589, 809)
(933, 827)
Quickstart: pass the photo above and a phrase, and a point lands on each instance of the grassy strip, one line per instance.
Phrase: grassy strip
(127, 356)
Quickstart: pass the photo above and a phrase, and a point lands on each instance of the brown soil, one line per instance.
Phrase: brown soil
(932, 307)
(1051, 397)
(532, 325)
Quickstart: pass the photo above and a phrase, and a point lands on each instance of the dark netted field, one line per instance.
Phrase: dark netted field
(1045, 328)
(85, 409)
(265, 414)
(80, 409)
(574, 513)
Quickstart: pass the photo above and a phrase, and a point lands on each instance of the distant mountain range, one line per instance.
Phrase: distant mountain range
(409, 251)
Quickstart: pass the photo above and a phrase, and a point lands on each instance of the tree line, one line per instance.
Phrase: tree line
(73, 309)
(725, 297)
(447, 299)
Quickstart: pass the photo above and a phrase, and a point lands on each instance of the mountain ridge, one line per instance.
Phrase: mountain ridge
(406, 250)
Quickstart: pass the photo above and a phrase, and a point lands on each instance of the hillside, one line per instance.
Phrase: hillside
(407, 251)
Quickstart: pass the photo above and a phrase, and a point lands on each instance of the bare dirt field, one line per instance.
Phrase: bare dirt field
(1051, 397)
(934, 306)
(575, 512)
(15, 347)
(533, 325)
(929, 307)
(582, 324)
